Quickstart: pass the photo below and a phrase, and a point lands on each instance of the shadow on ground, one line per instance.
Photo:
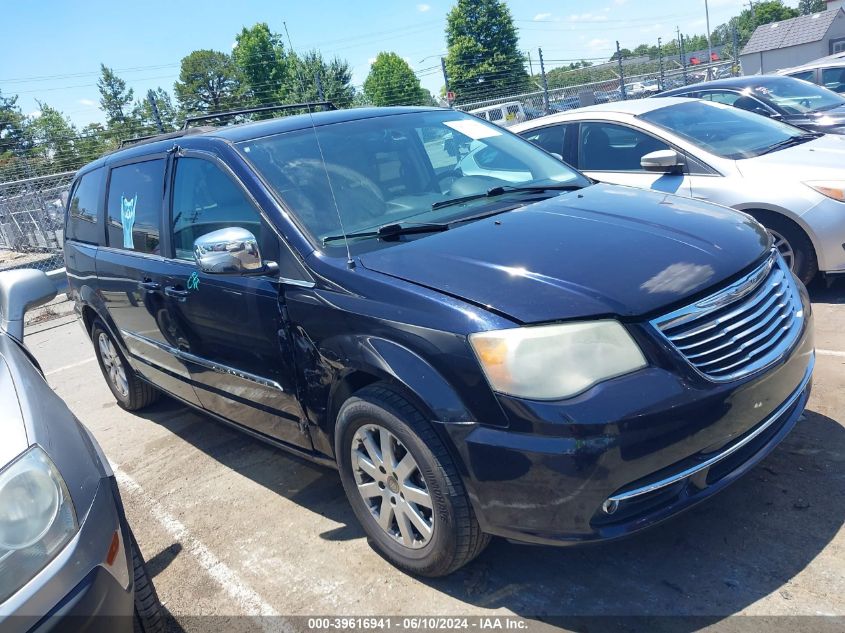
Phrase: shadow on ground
(715, 560)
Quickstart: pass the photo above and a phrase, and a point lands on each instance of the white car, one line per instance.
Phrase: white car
(790, 180)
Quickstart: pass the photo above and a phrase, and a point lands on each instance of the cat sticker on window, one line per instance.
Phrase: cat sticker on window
(127, 219)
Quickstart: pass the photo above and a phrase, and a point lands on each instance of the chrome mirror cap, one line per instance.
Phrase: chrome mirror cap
(232, 250)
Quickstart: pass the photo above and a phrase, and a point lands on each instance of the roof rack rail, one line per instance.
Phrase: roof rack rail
(137, 139)
(328, 105)
(151, 138)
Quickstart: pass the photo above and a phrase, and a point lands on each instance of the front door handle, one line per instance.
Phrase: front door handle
(149, 284)
(176, 292)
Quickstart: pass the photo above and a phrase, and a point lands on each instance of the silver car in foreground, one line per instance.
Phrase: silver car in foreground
(68, 560)
(791, 181)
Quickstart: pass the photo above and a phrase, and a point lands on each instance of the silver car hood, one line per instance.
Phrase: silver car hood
(13, 439)
(820, 159)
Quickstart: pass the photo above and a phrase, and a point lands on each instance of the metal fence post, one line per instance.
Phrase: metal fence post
(661, 80)
(621, 73)
(546, 108)
(683, 54)
(154, 107)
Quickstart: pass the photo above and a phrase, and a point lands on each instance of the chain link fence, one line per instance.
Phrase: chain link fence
(32, 221)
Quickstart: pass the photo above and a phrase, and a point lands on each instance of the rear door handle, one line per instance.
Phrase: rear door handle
(149, 284)
(176, 292)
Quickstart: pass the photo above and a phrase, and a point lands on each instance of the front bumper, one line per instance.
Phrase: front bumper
(77, 590)
(630, 452)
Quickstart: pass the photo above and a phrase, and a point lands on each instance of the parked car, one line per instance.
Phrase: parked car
(788, 179)
(547, 360)
(640, 90)
(68, 560)
(828, 72)
(503, 114)
(783, 98)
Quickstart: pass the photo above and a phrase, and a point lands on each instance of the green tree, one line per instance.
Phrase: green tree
(310, 74)
(392, 82)
(484, 57)
(142, 113)
(15, 139)
(114, 96)
(93, 141)
(806, 7)
(208, 82)
(54, 138)
(262, 63)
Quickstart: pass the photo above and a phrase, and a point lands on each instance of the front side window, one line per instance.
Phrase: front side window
(413, 167)
(725, 131)
(206, 199)
(721, 96)
(83, 208)
(805, 75)
(134, 206)
(611, 147)
(834, 78)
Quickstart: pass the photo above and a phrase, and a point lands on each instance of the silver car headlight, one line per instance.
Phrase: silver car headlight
(550, 362)
(831, 188)
(37, 518)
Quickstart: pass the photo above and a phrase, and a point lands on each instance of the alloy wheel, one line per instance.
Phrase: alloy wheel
(392, 486)
(784, 248)
(113, 365)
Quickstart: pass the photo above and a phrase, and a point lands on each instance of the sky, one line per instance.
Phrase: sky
(53, 49)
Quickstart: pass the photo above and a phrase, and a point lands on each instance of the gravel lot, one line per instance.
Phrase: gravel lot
(234, 528)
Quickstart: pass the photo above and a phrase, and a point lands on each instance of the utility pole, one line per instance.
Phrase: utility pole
(621, 72)
(530, 65)
(445, 80)
(661, 79)
(735, 70)
(319, 85)
(154, 107)
(682, 53)
(546, 108)
(753, 12)
(709, 41)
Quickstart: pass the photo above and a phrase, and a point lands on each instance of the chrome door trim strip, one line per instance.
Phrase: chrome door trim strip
(198, 360)
(773, 417)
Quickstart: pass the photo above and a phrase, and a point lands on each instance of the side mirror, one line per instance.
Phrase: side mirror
(229, 251)
(556, 155)
(22, 290)
(664, 160)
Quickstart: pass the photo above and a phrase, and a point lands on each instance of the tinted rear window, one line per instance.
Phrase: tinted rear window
(134, 206)
(83, 208)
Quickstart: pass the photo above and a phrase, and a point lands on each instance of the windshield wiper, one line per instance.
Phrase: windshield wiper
(501, 190)
(792, 140)
(388, 231)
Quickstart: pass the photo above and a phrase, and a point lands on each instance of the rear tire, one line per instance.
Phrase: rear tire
(792, 242)
(128, 389)
(431, 529)
(149, 615)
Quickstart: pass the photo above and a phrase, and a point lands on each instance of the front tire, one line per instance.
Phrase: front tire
(792, 243)
(131, 392)
(404, 486)
(148, 614)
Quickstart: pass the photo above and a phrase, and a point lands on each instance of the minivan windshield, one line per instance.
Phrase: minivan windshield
(414, 168)
(794, 96)
(726, 131)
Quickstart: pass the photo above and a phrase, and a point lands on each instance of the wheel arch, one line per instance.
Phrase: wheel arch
(753, 208)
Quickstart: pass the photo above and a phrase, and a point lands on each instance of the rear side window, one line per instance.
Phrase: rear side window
(83, 209)
(834, 79)
(550, 138)
(134, 206)
(805, 75)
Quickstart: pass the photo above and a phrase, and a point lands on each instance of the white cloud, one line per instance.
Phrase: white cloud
(234, 44)
(587, 17)
(422, 8)
(87, 102)
(34, 114)
(371, 61)
(542, 16)
(598, 44)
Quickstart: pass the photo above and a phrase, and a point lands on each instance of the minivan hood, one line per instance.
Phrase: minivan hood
(604, 250)
(819, 159)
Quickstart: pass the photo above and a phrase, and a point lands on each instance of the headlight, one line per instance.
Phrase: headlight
(37, 518)
(550, 362)
(831, 188)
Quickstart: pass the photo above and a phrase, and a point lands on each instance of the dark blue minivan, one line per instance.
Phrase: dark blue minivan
(480, 339)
